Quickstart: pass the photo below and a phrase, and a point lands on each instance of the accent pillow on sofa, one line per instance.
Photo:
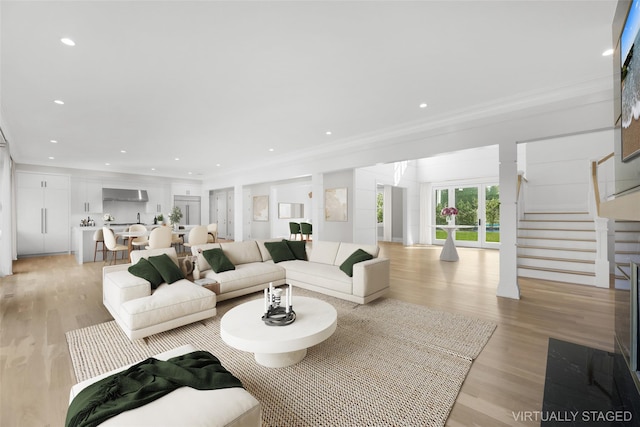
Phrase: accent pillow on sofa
(168, 269)
(279, 251)
(298, 248)
(356, 257)
(148, 272)
(218, 260)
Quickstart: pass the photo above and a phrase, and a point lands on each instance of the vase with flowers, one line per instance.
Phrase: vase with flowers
(107, 218)
(450, 213)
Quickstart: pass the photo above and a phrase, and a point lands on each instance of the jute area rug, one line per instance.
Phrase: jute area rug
(389, 363)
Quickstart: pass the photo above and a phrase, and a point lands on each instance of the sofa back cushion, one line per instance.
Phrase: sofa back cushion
(197, 250)
(324, 252)
(146, 253)
(346, 249)
(242, 252)
(266, 256)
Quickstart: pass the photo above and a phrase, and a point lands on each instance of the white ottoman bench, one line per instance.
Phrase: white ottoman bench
(229, 407)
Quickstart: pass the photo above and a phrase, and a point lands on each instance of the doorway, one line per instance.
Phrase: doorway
(478, 214)
(221, 212)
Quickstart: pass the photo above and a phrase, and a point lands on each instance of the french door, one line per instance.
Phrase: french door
(478, 214)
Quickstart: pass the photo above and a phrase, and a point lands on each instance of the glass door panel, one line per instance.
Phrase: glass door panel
(441, 202)
(466, 201)
(492, 215)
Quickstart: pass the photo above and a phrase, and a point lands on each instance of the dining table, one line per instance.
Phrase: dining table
(130, 235)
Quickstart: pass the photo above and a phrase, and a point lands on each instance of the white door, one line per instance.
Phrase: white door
(220, 201)
(230, 210)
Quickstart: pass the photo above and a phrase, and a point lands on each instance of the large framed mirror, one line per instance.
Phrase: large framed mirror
(290, 210)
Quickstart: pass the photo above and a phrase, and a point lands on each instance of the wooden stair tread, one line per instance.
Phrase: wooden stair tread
(548, 258)
(556, 238)
(553, 248)
(556, 229)
(557, 270)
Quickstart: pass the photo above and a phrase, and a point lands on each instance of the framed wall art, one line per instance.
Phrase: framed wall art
(336, 205)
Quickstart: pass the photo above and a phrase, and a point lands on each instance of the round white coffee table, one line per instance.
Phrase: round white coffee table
(278, 346)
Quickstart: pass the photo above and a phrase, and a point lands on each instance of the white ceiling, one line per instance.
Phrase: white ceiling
(213, 82)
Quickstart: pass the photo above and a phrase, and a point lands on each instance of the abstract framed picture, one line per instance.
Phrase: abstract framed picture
(261, 208)
(335, 204)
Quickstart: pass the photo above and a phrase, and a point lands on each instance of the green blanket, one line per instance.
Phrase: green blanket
(145, 382)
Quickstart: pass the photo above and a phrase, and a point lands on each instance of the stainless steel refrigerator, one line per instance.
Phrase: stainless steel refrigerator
(190, 207)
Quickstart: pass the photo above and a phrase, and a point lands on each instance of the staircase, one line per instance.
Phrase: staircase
(558, 246)
(627, 241)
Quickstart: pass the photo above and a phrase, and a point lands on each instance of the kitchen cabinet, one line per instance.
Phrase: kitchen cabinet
(42, 206)
(181, 189)
(86, 196)
(156, 203)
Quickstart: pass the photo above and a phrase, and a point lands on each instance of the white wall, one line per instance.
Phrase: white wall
(559, 171)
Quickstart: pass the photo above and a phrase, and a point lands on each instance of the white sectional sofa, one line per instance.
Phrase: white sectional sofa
(255, 269)
(141, 312)
(186, 406)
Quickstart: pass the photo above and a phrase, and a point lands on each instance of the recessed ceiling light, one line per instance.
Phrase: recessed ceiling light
(123, 151)
(177, 158)
(153, 169)
(107, 164)
(51, 158)
(218, 164)
(189, 173)
(53, 141)
(272, 149)
(607, 52)
(423, 105)
(59, 102)
(68, 41)
(328, 132)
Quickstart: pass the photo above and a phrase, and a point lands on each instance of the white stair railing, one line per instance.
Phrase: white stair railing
(602, 265)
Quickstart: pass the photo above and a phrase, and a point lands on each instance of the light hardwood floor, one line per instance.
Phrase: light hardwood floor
(48, 296)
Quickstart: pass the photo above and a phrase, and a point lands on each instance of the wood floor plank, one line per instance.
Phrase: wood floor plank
(48, 296)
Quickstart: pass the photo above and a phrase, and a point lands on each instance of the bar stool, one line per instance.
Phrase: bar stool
(98, 237)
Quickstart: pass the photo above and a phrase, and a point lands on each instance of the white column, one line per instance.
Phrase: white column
(508, 284)
(602, 253)
(238, 212)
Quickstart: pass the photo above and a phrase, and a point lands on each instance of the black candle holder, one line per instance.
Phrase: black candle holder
(276, 315)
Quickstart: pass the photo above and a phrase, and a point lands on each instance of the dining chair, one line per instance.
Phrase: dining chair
(177, 240)
(112, 245)
(294, 229)
(197, 236)
(160, 237)
(142, 241)
(98, 238)
(306, 228)
(212, 230)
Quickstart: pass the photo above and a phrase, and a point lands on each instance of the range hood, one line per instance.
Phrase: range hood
(122, 195)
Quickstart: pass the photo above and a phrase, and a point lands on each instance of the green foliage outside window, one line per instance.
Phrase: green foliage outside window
(380, 201)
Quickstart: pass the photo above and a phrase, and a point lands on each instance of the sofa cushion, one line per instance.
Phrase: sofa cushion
(144, 269)
(242, 252)
(169, 271)
(247, 275)
(197, 250)
(168, 302)
(357, 256)
(279, 251)
(346, 249)
(298, 248)
(318, 274)
(266, 256)
(146, 253)
(323, 252)
(218, 260)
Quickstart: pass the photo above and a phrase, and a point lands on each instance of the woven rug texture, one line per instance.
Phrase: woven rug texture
(389, 363)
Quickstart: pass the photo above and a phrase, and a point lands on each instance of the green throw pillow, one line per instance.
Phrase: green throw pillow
(356, 257)
(148, 272)
(168, 269)
(218, 260)
(279, 251)
(298, 248)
